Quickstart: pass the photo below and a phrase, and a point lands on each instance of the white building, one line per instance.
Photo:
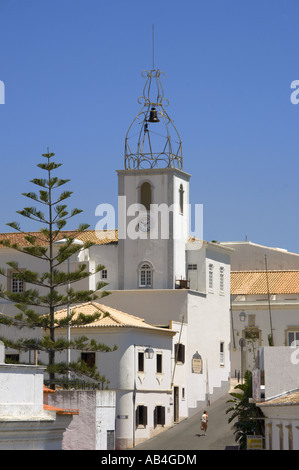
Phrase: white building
(26, 423)
(156, 271)
(280, 368)
(140, 371)
(264, 300)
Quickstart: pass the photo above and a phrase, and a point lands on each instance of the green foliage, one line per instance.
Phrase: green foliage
(245, 415)
(51, 289)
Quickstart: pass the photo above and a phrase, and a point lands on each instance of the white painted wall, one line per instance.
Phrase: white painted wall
(132, 387)
(24, 424)
(284, 315)
(251, 256)
(87, 430)
(167, 256)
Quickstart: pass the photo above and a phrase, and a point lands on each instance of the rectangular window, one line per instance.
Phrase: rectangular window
(210, 276)
(221, 353)
(192, 267)
(179, 353)
(293, 338)
(145, 276)
(104, 274)
(16, 285)
(12, 358)
(221, 279)
(110, 440)
(140, 362)
(89, 358)
(159, 416)
(141, 415)
(159, 364)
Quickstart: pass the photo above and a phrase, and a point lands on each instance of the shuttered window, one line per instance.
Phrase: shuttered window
(141, 415)
(180, 353)
(159, 416)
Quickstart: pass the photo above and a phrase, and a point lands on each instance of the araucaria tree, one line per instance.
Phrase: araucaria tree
(51, 289)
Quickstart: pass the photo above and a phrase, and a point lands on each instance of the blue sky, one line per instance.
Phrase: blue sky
(72, 75)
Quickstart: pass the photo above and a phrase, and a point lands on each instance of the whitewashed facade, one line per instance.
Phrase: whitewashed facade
(156, 271)
(279, 308)
(24, 423)
(280, 368)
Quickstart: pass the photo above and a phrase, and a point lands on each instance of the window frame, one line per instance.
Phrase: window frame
(141, 416)
(221, 279)
(179, 353)
(140, 362)
(221, 354)
(295, 332)
(89, 358)
(211, 277)
(159, 416)
(11, 277)
(145, 275)
(104, 274)
(159, 366)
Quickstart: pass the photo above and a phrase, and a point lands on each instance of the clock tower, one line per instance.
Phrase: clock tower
(153, 190)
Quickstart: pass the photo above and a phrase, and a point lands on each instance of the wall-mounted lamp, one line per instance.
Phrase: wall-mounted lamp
(242, 316)
(149, 353)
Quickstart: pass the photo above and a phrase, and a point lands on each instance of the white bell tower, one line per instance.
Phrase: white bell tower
(153, 195)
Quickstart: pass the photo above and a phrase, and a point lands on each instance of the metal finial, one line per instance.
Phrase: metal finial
(152, 140)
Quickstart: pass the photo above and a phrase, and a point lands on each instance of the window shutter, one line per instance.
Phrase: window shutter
(163, 415)
(137, 416)
(180, 352)
(145, 415)
(155, 416)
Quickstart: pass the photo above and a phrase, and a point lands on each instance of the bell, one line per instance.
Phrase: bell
(153, 116)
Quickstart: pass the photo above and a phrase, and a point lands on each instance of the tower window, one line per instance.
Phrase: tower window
(181, 192)
(145, 275)
(146, 195)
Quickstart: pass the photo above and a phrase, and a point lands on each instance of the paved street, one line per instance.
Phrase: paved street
(187, 434)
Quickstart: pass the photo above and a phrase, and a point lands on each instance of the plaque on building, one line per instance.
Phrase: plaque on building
(197, 363)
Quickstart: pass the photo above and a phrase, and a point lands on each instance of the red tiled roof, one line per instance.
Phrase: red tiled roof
(60, 411)
(258, 282)
(98, 237)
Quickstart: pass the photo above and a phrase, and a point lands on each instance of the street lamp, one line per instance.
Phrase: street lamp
(242, 316)
(149, 353)
(68, 334)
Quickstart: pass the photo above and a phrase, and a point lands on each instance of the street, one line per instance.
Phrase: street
(187, 434)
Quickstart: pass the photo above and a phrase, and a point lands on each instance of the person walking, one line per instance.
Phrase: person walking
(204, 422)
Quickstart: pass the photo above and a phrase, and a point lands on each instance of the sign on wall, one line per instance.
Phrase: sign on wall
(196, 363)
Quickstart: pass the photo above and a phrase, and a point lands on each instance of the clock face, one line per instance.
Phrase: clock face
(145, 224)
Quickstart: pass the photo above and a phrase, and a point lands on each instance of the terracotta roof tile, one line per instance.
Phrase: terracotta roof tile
(288, 398)
(257, 282)
(110, 317)
(60, 411)
(99, 237)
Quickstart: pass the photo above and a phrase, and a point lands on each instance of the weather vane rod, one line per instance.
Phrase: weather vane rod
(153, 47)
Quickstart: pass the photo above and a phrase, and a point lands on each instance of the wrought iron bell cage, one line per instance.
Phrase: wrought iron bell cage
(152, 140)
